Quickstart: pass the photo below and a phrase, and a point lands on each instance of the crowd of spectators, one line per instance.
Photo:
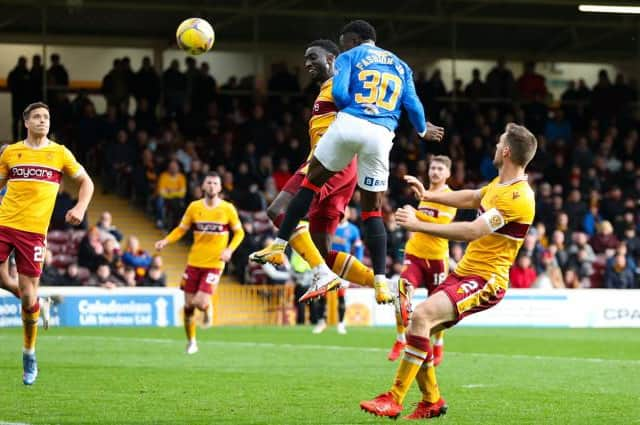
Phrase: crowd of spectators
(97, 255)
(586, 173)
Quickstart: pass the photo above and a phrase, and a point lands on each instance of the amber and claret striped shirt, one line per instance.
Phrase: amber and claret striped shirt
(323, 114)
(210, 227)
(510, 209)
(33, 177)
(424, 245)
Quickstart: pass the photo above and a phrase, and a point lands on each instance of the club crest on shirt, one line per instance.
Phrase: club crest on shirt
(495, 221)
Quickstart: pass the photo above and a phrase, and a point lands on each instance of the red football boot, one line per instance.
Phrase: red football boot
(383, 405)
(438, 354)
(396, 350)
(426, 410)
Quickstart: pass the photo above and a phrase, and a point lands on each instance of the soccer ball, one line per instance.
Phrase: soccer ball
(195, 36)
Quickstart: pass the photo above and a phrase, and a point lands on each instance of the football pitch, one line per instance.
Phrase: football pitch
(265, 375)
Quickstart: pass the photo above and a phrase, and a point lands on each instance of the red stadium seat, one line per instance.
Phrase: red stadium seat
(57, 248)
(61, 261)
(58, 237)
(77, 235)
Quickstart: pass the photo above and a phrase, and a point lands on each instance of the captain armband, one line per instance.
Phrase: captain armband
(494, 219)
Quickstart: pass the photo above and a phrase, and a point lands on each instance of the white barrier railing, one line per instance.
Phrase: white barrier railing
(587, 308)
(578, 308)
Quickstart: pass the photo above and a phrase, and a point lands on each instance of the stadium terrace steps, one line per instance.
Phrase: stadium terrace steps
(133, 221)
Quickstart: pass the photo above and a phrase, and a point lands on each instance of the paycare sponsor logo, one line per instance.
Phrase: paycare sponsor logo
(34, 172)
(209, 227)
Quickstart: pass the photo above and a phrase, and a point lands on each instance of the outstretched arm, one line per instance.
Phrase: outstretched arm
(178, 232)
(172, 237)
(465, 199)
(457, 231)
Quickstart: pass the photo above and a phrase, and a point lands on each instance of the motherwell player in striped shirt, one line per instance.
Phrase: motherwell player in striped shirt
(211, 218)
(507, 208)
(313, 241)
(32, 169)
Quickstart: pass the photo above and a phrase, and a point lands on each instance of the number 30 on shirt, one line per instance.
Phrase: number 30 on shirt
(378, 89)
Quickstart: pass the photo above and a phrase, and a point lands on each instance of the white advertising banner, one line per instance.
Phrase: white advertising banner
(579, 308)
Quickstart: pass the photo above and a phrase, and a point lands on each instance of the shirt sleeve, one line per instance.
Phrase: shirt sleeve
(234, 219)
(340, 87)
(505, 211)
(4, 167)
(412, 104)
(70, 165)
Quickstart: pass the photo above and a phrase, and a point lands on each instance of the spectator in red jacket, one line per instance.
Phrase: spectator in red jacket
(522, 274)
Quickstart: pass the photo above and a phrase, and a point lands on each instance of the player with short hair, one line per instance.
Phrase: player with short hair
(32, 170)
(426, 256)
(312, 241)
(210, 218)
(507, 208)
(370, 88)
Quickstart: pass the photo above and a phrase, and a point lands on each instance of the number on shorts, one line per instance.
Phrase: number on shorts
(377, 83)
(469, 286)
(212, 278)
(38, 254)
(438, 278)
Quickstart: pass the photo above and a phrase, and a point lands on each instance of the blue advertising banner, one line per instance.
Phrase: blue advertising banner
(80, 307)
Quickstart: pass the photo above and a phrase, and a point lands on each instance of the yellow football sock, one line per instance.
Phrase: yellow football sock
(427, 382)
(349, 268)
(30, 326)
(438, 338)
(190, 323)
(303, 244)
(400, 329)
(415, 353)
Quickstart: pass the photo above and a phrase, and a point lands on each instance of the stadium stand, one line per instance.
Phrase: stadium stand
(586, 173)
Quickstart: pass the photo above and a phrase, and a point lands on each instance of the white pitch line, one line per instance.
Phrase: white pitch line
(342, 348)
(13, 423)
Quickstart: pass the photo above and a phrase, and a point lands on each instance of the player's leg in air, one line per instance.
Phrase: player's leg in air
(198, 285)
(335, 150)
(301, 240)
(290, 229)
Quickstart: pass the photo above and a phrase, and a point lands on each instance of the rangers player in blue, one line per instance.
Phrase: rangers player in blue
(370, 87)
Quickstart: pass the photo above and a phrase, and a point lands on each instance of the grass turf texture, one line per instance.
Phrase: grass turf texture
(288, 376)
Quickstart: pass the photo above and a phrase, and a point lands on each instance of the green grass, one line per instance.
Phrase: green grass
(288, 376)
